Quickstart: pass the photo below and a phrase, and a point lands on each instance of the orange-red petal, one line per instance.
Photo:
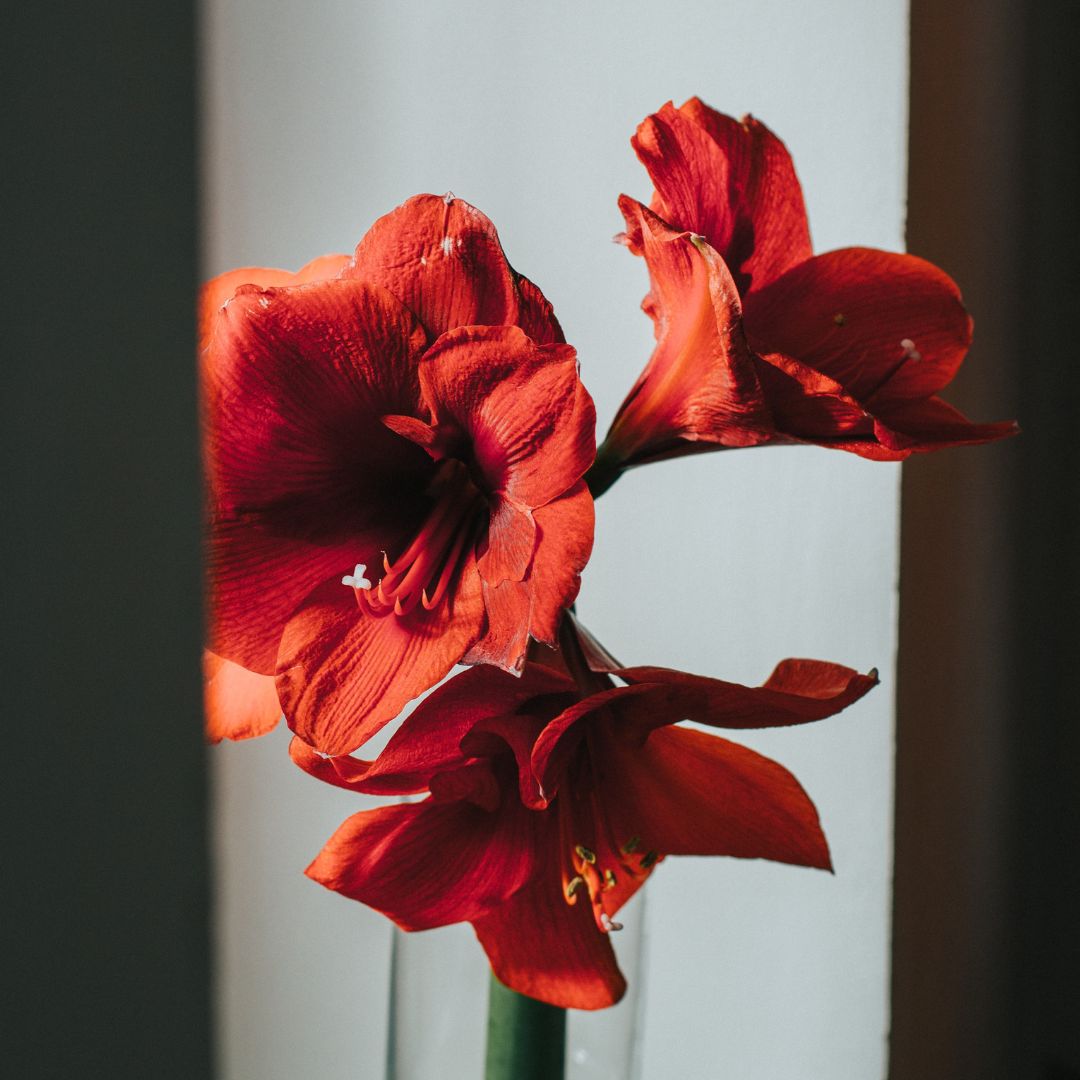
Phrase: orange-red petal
(731, 181)
(700, 384)
(545, 948)
(687, 792)
(344, 673)
(530, 421)
(237, 703)
(442, 259)
(432, 863)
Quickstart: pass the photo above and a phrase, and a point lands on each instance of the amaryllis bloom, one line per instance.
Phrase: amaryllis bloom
(394, 461)
(551, 804)
(758, 339)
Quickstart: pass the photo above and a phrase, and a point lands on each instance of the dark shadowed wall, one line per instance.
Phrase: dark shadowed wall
(987, 945)
(105, 924)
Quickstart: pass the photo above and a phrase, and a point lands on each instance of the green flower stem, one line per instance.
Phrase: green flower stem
(603, 474)
(526, 1039)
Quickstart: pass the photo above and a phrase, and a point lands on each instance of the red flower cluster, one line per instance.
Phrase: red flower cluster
(396, 450)
(550, 804)
(758, 339)
(394, 460)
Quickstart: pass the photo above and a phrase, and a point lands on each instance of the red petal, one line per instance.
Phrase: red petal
(442, 259)
(343, 673)
(564, 540)
(564, 531)
(797, 692)
(731, 181)
(690, 793)
(511, 540)
(932, 424)
(545, 948)
(430, 864)
(217, 291)
(700, 383)
(305, 478)
(239, 704)
(889, 328)
(530, 421)
(429, 740)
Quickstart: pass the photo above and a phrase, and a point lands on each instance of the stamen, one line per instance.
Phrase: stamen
(609, 879)
(910, 352)
(608, 923)
(585, 854)
(573, 885)
(631, 845)
(356, 579)
(839, 318)
(648, 860)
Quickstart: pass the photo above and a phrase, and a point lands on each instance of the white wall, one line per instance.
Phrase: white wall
(319, 117)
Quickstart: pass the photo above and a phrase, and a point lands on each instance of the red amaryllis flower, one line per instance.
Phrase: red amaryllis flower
(758, 340)
(550, 805)
(393, 486)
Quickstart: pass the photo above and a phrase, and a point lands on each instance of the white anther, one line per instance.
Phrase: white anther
(448, 245)
(910, 352)
(423, 260)
(448, 198)
(608, 923)
(356, 579)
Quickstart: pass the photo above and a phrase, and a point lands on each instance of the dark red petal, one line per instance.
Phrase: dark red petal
(731, 181)
(432, 863)
(238, 704)
(222, 288)
(545, 948)
(690, 793)
(932, 424)
(530, 421)
(889, 328)
(343, 673)
(700, 384)
(442, 259)
(304, 478)
(798, 692)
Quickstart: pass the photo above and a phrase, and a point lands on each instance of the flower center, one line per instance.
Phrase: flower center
(424, 571)
(592, 874)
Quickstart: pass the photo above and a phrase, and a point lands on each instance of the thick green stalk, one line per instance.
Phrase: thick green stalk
(526, 1039)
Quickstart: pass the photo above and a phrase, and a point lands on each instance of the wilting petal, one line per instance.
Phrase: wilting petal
(690, 793)
(238, 704)
(442, 259)
(222, 288)
(700, 383)
(529, 419)
(731, 181)
(887, 327)
(344, 673)
(541, 946)
(432, 863)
